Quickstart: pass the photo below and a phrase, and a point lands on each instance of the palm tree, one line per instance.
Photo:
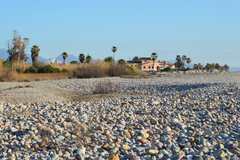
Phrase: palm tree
(64, 55)
(217, 66)
(179, 62)
(188, 61)
(209, 67)
(34, 54)
(121, 61)
(198, 66)
(195, 67)
(81, 58)
(88, 59)
(154, 56)
(184, 58)
(114, 50)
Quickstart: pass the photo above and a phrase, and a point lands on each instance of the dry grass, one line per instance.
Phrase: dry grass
(103, 70)
(1, 66)
(14, 76)
(6, 74)
(91, 70)
(68, 67)
(95, 70)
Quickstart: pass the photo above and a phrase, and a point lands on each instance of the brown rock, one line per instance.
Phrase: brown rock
(114, 157)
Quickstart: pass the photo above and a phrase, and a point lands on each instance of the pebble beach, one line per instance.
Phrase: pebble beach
(171, 117)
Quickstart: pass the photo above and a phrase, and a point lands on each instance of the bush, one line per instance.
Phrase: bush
(42, 69)
(74, 62)
(48, 69)
(31, 70)
(168, 69)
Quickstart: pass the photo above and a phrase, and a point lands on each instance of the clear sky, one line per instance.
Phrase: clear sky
(205, 30)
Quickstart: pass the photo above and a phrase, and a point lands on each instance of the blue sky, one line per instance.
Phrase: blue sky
(206, 30)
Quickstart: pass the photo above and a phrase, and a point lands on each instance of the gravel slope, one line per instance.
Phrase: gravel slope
(175, 117)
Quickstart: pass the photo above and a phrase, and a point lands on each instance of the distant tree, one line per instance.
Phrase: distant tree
(178, 62)
(135, 59)
(189, 60)
(178, 58)
(198, 66)
(226, 68)
(64, 55)
(207, 67)
(17, 48)
(88, 58)
(35, 54)
(184, 58)
(108, 59)
(210, 67)
(121, 61)
(82, 58)
(154, 57)
(195, 67)
(114, 50)
(181, 61)
(217, 66)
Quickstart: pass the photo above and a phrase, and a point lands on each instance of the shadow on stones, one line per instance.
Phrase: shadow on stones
(172, 88)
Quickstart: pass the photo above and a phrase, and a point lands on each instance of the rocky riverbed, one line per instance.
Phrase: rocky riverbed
(180, 117)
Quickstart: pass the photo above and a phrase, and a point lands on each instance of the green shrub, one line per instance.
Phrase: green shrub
(48, 69)
(74, 62)
(42, 69)
(31, 70)
(168, 69)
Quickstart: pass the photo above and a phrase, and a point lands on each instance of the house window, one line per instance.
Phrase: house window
(149, 67)
(144, 67)
(152, 67)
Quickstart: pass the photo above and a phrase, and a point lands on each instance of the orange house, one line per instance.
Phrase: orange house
(150, 65)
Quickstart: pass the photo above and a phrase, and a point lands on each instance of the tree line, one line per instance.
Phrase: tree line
(182, 62)
(17, 54)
